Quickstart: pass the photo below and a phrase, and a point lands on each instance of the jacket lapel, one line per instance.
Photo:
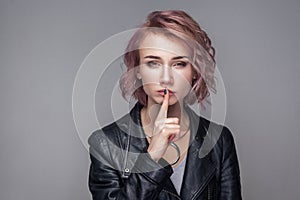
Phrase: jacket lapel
(139, 142)
(198, 171)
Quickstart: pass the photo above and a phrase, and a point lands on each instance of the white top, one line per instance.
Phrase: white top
(177, 175)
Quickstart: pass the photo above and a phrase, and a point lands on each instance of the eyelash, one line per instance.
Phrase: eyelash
(182, 64)
(154, 64)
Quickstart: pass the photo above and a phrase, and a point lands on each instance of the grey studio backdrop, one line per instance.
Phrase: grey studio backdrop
(43, 44)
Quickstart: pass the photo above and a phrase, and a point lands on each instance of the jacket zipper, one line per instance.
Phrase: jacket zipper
(197, 194)
(208, 191)
(171, 193)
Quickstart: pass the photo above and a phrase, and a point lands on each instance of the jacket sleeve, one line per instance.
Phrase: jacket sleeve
(230, 173)
(105, 181)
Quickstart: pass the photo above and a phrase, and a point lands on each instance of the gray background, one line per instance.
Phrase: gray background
(43, 43)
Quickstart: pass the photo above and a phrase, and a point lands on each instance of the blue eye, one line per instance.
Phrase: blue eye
(153, 64)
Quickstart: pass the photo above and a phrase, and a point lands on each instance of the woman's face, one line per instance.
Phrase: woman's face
(164, 63)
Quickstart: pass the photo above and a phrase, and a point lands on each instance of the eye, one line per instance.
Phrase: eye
(153, 64)
(180, 64)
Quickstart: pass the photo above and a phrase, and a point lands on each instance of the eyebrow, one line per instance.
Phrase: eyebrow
(158, 58)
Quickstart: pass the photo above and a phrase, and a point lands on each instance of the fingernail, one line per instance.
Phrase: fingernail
(165, 91)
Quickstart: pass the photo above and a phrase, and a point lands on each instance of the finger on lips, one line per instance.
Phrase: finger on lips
(163, 112)
(166, 102)
(168, 127)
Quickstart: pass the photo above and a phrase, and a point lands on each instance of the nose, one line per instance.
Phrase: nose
(166, 78)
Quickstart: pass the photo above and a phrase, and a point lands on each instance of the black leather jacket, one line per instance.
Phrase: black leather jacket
(121, 168)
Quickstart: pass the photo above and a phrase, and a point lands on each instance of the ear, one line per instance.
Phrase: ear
(195, 75)
(138, 74)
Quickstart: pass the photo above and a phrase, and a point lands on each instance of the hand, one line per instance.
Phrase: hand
(165, 131)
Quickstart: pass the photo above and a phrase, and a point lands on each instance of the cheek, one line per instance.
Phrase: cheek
(147, 88)
(150, 76)
(183, 83)
(183, 78)
(150, 80)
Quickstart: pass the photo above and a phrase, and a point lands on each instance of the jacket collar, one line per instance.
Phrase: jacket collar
(198, 171)
(198, 125)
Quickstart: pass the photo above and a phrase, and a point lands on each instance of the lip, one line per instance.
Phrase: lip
(162, 92)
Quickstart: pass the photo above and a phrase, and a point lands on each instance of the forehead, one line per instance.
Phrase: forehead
(159, 43)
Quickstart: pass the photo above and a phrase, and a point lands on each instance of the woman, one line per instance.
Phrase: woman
(156, 151)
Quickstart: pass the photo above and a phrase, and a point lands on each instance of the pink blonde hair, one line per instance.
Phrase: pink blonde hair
(170, 23)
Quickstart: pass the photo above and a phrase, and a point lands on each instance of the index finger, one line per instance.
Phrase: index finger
(164, 107)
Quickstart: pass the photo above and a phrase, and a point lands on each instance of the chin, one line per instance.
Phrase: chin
(172, 101)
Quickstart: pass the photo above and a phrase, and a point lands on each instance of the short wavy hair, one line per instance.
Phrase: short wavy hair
(175, 24)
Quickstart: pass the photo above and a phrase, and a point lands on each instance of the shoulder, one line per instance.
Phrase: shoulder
(105, 146)
(222, 141)
(217, 138)
(211, 132)
(213, 129)
(109, 133)
(227, 136)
